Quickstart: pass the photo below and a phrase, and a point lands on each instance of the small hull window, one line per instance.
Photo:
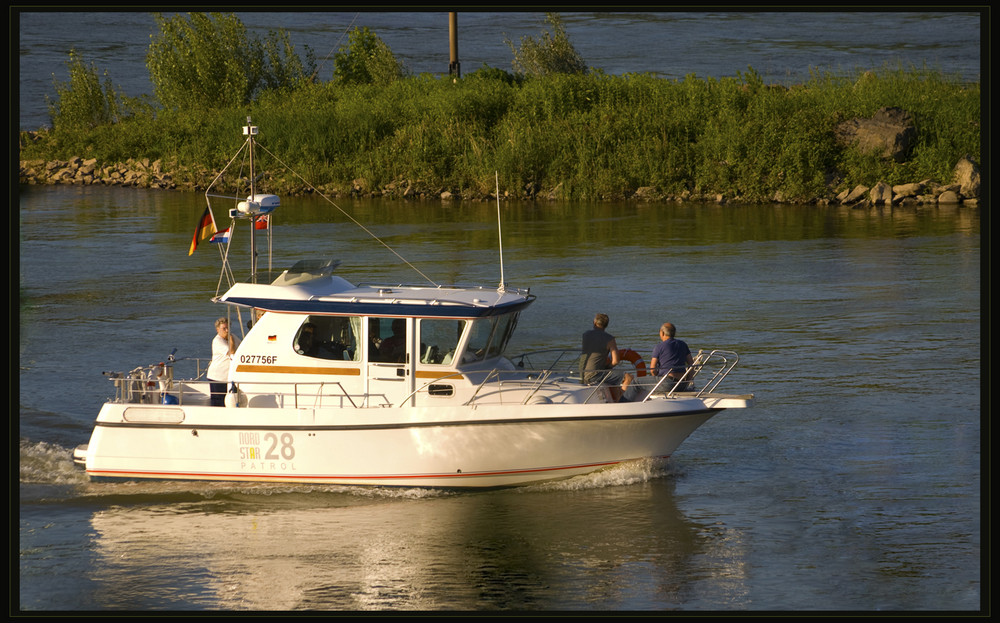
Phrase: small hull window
(440, 389)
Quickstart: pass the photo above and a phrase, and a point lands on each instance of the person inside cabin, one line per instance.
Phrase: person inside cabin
(223, 346)
(307, 344)
(598, 347)
(393, 348)
(671, 358)
(340, 345)
(314, 340)
(257, 313)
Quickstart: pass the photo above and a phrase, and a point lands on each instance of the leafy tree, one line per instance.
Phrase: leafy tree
(283, 69)
(552, 54)
(366, 59)
(210, 61)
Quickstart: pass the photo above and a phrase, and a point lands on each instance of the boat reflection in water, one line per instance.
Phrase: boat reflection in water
(553, 546)
(387, 384)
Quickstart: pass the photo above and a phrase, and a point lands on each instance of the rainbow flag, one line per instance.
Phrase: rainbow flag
(206, 226)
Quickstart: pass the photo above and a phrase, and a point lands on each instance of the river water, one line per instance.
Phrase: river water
(781, 46)
(853, 484)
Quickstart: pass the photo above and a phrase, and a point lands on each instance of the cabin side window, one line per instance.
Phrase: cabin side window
(489, 337)
(329, 337)
(439, 340)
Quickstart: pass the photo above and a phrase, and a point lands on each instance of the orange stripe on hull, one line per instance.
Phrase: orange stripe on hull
(319, 478)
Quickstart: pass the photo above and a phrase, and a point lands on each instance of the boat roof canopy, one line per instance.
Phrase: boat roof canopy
(309, 287)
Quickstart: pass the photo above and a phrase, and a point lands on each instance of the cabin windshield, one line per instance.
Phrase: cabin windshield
(439, 339)
(489, 336)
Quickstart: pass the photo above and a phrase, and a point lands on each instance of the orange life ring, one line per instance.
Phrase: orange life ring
(631, 356)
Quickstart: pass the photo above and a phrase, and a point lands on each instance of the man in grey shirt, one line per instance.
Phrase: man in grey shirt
(598, 344)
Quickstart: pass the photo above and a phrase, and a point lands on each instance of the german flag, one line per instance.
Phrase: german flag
(206, 227)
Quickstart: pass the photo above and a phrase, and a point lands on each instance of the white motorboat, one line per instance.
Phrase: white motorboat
(399, 385)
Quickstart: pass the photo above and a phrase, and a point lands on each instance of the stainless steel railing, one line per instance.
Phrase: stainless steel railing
(156, 384)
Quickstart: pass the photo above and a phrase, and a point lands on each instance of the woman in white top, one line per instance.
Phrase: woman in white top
(223, 346)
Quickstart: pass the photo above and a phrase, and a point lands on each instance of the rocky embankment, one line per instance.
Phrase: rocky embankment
(890, 134)
(138, 173)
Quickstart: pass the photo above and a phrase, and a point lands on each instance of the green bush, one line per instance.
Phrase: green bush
(84, 103)
(552, 54)
(210, 61)
(366, 59)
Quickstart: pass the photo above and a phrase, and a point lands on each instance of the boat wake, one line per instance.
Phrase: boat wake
(48, 464)
(625, 473)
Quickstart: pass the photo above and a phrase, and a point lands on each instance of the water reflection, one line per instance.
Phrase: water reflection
(571, 545)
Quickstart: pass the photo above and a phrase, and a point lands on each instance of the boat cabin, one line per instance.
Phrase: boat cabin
(323, 341)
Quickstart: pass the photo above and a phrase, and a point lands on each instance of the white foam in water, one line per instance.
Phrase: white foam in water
(625, 473)
(46, 463)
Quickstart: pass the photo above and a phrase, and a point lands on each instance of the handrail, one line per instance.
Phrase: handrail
(139, 387)
(718, 362)
(318, 396)
(426, 385)
(562, 353)
(150, 384)
(490, 375)
(725, 360)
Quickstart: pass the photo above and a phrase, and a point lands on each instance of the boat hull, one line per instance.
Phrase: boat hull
(410, 447)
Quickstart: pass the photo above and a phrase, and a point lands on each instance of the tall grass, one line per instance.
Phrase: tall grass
(591, 136)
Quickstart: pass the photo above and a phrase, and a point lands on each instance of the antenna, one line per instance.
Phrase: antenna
(503, 284)
(251, 131)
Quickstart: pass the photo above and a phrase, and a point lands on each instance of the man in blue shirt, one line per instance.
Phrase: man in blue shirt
(671, 357)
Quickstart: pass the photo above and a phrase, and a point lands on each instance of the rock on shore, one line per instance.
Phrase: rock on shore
(963, 188)
(141, 173)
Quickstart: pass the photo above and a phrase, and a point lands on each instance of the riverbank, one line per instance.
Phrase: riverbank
(963, 188)
(562, 137)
